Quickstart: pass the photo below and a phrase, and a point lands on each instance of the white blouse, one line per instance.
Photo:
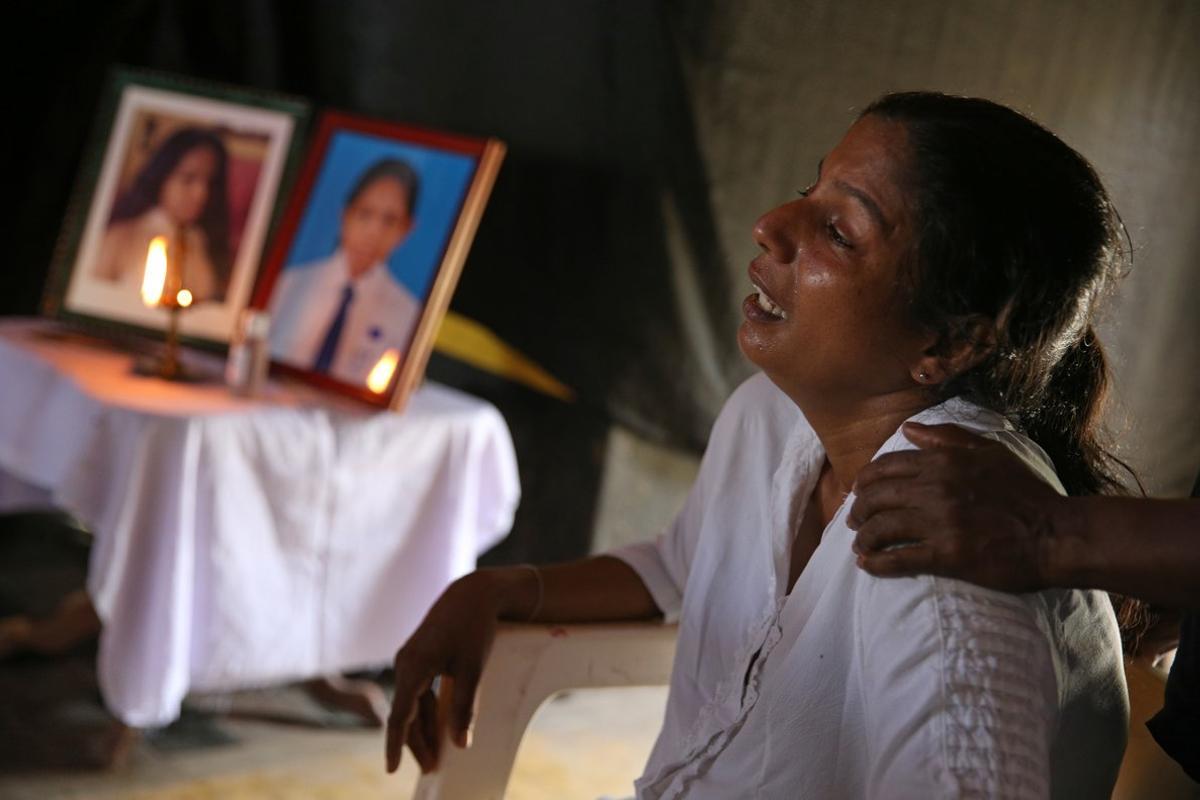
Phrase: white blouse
(852, 686)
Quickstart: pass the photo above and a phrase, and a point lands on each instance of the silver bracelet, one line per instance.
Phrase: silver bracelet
(537, 573)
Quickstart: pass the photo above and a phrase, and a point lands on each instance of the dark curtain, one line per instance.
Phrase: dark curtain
(570, 264)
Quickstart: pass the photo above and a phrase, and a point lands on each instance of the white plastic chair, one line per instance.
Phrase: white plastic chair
(529, 664)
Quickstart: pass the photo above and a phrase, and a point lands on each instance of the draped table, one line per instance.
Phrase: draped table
(242, 542)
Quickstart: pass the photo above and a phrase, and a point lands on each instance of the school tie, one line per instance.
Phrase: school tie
(330, 345)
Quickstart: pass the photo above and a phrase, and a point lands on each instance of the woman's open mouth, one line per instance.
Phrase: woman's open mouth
(761, 307)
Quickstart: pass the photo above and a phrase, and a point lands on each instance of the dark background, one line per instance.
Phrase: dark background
(628, 123)
(569, 261)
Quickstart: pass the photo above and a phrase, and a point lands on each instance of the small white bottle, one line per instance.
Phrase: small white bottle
(249, 354)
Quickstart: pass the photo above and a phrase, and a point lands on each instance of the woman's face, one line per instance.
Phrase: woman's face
(836, 325)
(184, 194)
(375, 223)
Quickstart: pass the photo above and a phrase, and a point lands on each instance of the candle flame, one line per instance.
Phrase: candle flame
(156, 271)
(184, 298)
(381, 374)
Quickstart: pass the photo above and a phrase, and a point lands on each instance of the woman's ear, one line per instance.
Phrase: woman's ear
(960, 347)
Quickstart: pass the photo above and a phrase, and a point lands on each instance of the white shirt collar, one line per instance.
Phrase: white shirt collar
(342, 267)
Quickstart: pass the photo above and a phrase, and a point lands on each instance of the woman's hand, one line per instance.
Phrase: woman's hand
(453, 641)
(964, 507)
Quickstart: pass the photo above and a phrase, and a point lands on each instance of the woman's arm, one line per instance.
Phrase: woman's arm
(456, 635)
(639, 581)
(966, 508)
(958, 690)
(593, 590)
(108, 265)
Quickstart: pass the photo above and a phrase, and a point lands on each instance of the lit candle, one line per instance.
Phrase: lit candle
(161, 288)
(380, 376)
(155, 277)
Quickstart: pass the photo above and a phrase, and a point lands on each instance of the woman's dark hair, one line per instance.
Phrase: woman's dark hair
(144, 193)
(1016, 232)
(395, 169)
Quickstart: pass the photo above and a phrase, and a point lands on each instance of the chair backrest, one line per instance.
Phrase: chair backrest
(528, 665)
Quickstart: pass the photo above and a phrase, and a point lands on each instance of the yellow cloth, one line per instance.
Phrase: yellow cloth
(472, 343)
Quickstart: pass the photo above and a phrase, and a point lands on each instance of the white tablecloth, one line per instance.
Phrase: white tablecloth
(241, 542)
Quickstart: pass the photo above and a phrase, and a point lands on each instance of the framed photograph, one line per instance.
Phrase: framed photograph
(198, 167)
(369, 252)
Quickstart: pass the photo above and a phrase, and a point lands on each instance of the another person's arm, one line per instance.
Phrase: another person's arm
(966, 508)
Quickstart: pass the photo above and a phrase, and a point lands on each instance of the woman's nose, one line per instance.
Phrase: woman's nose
(775, 232)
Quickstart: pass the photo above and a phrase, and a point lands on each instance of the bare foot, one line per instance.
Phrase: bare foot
(109, 747)
(364, 699)
(15, 633)
(72, 623)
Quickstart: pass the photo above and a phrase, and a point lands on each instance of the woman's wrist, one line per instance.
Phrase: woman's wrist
(514, 592)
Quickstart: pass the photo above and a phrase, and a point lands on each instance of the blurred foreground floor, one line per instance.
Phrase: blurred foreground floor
(581, 745)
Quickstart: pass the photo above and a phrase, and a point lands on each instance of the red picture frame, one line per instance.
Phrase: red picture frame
(455, 173)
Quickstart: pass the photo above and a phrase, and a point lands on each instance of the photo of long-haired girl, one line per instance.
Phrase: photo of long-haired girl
(195, 168)
(182, 189)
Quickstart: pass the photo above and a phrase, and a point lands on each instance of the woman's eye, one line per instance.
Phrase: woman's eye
(838, 238)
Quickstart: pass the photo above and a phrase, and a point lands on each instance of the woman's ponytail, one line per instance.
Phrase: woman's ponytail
(1065, 420)
(1067, 424)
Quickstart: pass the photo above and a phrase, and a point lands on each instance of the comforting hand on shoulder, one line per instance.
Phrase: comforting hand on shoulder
(964, 507)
